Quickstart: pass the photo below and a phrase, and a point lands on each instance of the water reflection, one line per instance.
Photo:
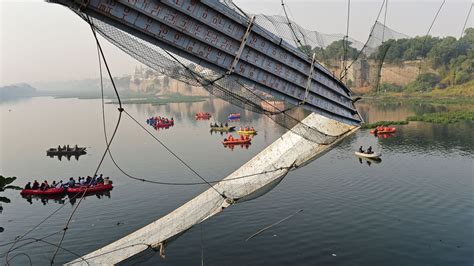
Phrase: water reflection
(369, 161)
(384, 136)
(232, 146)
(68, 157)
(61, 199)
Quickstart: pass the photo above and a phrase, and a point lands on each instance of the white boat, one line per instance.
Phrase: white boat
(366, 155)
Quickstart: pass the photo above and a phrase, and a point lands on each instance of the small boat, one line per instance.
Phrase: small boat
(234, 116)
(246, 132)
(223, 129)
(383, 130)
(66, 151)
(162, 125)
(202, 116)
(90, 189)
(49, 191)
(236, 141)
(368, 155)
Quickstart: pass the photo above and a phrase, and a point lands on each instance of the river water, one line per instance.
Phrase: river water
(413, 208)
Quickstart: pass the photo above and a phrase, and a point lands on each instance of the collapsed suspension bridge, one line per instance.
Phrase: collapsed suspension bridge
(234, 56)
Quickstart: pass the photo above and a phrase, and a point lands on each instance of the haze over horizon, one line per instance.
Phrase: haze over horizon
(44, 42)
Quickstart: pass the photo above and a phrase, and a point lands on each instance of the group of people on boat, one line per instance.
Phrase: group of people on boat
(203, 114)
(81, 181)
(217, 125)
(368, 151)
(67, 148)
(247, 129)
(231, 138)
(158, 120)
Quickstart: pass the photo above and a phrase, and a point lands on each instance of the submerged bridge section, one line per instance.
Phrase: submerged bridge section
(262, 173)
(217, 37)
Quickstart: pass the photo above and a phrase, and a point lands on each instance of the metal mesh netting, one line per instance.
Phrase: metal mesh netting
(227, 87)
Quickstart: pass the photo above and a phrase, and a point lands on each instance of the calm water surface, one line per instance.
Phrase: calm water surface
(414, 208)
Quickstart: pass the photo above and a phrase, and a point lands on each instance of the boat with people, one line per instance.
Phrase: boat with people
(370, 156)
(368, 153)
(160, 122)
(234, 116)
(230, 140)
(45, 192)
(221, 127)
(383, 130)
(66, 150)
(203, 116)
(82, 184)
(247, 131)
(90, 188)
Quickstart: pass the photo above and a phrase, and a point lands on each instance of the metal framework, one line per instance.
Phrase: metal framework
(212, 35)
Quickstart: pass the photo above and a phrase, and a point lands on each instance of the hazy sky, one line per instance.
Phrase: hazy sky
(47, 42)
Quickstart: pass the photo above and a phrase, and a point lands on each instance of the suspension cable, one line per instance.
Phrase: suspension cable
(367, 41)
(428, 32)
(467, 19)
(345, 41)
(120, 109)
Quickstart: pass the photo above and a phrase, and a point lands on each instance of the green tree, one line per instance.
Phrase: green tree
(424, 82)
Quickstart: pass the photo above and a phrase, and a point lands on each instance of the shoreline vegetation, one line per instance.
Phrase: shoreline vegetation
(437, 118)
(128, 98)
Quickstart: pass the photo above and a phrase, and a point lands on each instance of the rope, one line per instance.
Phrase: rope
(297, 40)
(428, 32)
(120, 109)
(366, 42)
(384, 21)
(346, 38)
(270, 226)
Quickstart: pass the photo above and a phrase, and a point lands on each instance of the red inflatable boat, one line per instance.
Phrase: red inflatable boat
(202, 116)
(96, 188)
(49, 191)
(383, 130)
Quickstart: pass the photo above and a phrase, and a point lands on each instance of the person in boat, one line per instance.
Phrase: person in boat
(72, 182)
(88, 180)
(42, 186)
(82, 181)
(221, 124)
(53, 185)
(369, 150)
(361, 150)
(59, 147)
(35, 185)
(241, 137)
(226, 125)
(252, 129)
(59, 184)
(107, 181)
(28, 185)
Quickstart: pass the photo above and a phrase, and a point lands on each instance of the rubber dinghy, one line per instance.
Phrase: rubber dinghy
(49, 191)
(374, 155)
